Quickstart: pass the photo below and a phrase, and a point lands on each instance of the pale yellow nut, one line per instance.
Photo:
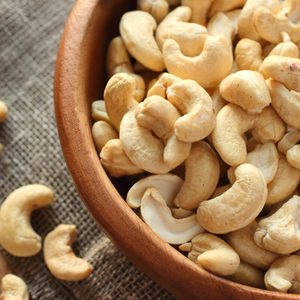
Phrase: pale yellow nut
(234, 16)
(99, 111)
(293, 156)
(218, 101)
(102, 132)
(286, 48)
(199, 10)
(225, 6)
(59, 256)
(16, 234)
(238, 206)
(115, 161)
(13, 288)
(3, 111)
(4, 266)
(157, 8)
(180, 213)
(242, 241)
(213, 254)
(202, 172)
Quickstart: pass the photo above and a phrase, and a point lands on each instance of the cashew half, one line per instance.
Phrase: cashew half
(13, 288)
(16, 234)
(157, 8)
(102, 132)
(158, 216)
(199, 9)
(60, 258)
(202, 172)
(238, 206)
(242, 241)
(231, 123)
(3, 111)
(4, 266)
(213, 254)
(137, 28)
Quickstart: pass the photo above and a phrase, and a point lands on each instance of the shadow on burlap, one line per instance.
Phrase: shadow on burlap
(29, 36)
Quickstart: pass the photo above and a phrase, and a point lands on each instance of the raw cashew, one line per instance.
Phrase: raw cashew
(180, 213)
(242, 241)
(189, 36)
(234, 16)
(115, 161)
(246, 89)
(137, 28)
(13, 288)
(284, 275)
(284, 183)
(199, 9)
(220, 24)
(283, 69)
(280, 232)
(158, 216)
(157, 8)
(16, 234)
(208, 68)
(268, 127)
(202, 172)
(286, 48)
(231, 123)
(225, 6)
(213, 254)
(59, 256)
(218, 101)
(168, 185)
(3, 111)
(99, 111)
(195, 104)
(4, 266)
(102, 132)
(248, 275)
(238, 206)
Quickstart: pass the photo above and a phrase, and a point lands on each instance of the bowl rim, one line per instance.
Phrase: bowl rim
(152, 255)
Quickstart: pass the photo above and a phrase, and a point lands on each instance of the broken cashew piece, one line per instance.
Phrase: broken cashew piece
(13, 288)
(4, 266)
(157, 8)
(158, 216)
(60, 258)
(137, 31)
(238, 206)
(202, 172)
(280, 232)
(102, 132)
(3, 111)
(212, 253)
(16, 234)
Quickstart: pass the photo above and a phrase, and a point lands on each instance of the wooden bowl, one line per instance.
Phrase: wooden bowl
(79, 79)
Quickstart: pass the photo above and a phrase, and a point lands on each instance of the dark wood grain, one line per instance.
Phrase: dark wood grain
(79, 79)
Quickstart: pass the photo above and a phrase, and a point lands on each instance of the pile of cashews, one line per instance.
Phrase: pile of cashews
(205, 96)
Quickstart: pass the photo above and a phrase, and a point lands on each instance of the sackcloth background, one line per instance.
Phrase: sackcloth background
(29, 37)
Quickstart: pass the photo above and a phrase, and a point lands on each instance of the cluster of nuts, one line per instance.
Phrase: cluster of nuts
(219, 131)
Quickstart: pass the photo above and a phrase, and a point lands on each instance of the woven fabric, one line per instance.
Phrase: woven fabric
(29, 37)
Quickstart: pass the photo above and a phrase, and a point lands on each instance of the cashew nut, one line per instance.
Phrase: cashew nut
(158, 216)
(246, 89)
(242, 241)
(234, 16)
(16, 234)
(168, 186)
(218, 101)
(199, 9)
(180, 213)
(286, 48)
(115, 161)
(157, 8)
(225, 6)
(3, 111)
(201, 176)
(99, 111)
(13, 288)
(59, 256)
(238, 206)
(231, 123)
(4, 266)
(137, 28)
(189, 36)
(213, 254)
(102, 132)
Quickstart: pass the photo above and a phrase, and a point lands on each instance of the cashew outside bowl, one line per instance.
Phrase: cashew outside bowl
(13, 288)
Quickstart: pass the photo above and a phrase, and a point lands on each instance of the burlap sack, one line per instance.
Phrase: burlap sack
(29, 36)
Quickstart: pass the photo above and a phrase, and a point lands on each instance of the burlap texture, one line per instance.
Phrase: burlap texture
(29, 36)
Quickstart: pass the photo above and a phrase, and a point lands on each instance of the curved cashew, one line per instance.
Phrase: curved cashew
(199, 10)
(99, 112)
(216, 55)
(16, 234)
(13, 288)
(248, 275)
(158, 216)
(115, 161)
(4, 266)
(280, 232)
(231, 123)
(3, 111)
(284, 275)
(168, 185)
(137, 28)
(242, 241)
(284, 183)
(213, 254)
(220, 24)
(189, 36)
(195, 104)
(59, 256)
(103, 132)
(225, 6)
(283, 69)
(246, 89)
(157, 8)
(268, 127)
(238, 206)
(202, 172)
(286, 103)
(286, 48)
